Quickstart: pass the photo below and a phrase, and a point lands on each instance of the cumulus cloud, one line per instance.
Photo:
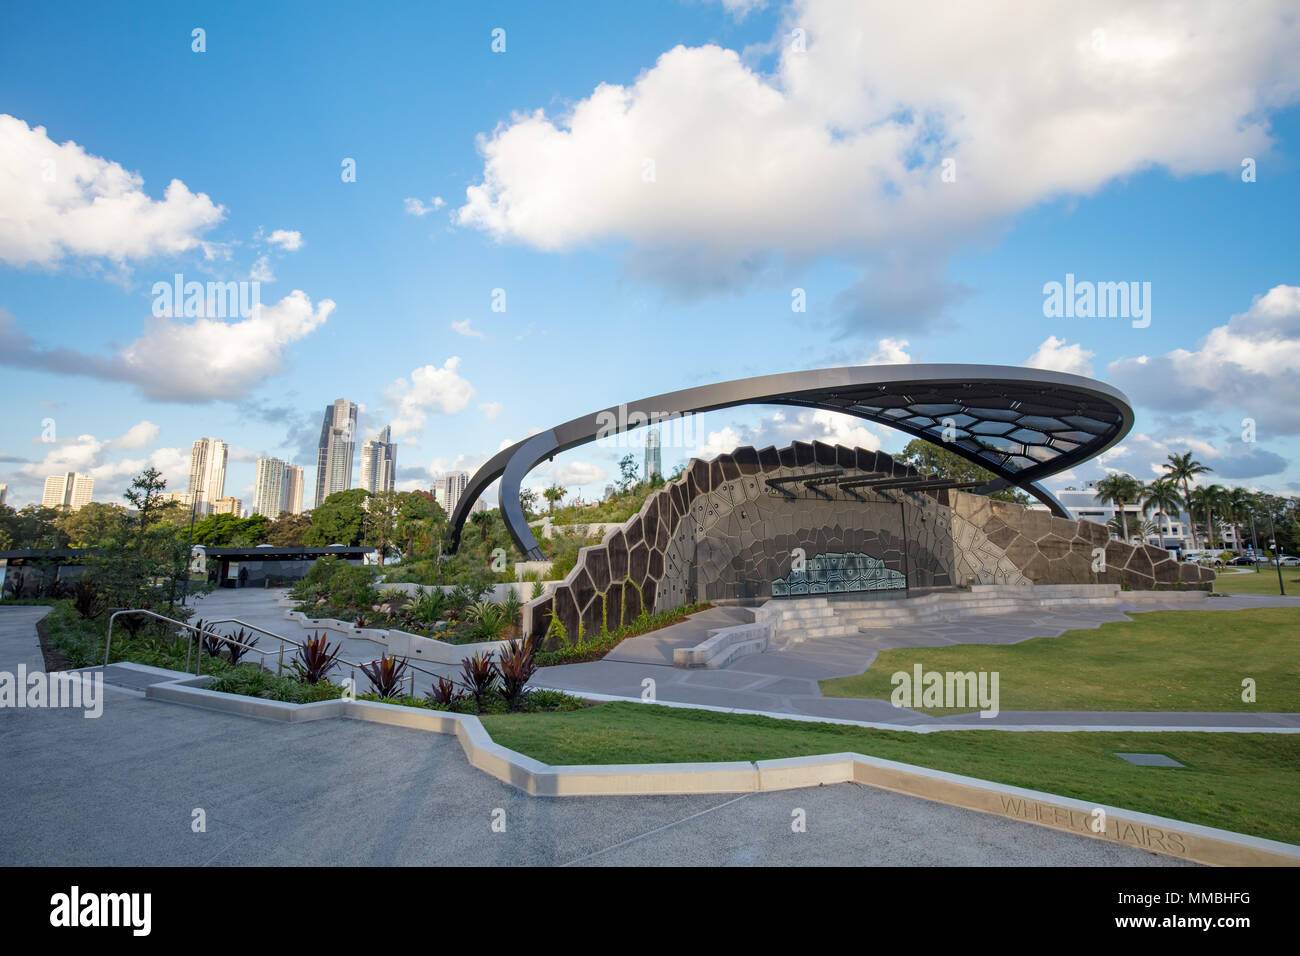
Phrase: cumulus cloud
(429, 390)
(1146, 457)
(1250, 365)
(890, 352)
(290, 240)
(576, 473)
(1055, 355)
(417, 207)
(780, 429)
(60, 201)
(261, 271)
(492, 410)
(706, 167)
(100, 458)
(179, 360)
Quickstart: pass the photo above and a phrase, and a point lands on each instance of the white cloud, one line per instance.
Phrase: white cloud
(59, 201)
(890, 352)
(463, 328)
(841, 149)
(1056, 356)
(492, 410)
(290, 240)
(779, 429)
(575, 473)
(416, 207)
(429, 390)
(1251, 366)
(96, 457)
(178, 360)
(261, 271)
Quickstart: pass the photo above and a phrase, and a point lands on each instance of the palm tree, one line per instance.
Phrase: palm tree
(1209, 499)
(1119, 490)
(1240, 505)
(552, 495)
(1182, 469)
(484, 520)
(1162, 495)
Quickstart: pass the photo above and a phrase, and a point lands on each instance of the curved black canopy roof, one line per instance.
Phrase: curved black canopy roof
(1022, 424)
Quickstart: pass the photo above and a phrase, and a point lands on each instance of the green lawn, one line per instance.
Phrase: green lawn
(1241, 782)
(1265, 582)
(1158, 660)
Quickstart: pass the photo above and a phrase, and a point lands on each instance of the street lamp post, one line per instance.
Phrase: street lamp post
(1277, 557)
(1254, 542)
(189, 549)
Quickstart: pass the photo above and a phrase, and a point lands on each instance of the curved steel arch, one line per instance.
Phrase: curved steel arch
(1022, 424)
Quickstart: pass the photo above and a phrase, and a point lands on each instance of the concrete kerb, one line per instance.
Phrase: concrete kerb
(1144, 831)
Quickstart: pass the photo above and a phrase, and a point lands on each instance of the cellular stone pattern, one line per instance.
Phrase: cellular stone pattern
(721, 533)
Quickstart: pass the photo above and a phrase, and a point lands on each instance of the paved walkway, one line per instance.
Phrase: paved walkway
(122, 790)
(18, 641)
(784, 680)
(258, 606)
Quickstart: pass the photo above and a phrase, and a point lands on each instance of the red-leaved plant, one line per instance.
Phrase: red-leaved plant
(480, 676)
(386, 674)
(315, 659)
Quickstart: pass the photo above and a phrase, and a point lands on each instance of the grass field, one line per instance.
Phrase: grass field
(1241, 782)
(1159, 660)
(1265, 582)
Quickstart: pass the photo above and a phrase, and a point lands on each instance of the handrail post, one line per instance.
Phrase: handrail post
(279, 667)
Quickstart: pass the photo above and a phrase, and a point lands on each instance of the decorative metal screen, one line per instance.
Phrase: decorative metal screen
(834, 573)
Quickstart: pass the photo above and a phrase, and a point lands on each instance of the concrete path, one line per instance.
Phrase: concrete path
(258, 606)
(19, 643)
(123, 790)
(784, 680)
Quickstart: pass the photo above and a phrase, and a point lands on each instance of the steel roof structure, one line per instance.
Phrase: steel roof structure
(1022, 424)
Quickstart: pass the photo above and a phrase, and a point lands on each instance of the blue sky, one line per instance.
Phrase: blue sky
(779, 162)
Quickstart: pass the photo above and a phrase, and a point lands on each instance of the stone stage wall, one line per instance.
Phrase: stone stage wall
(721, 533)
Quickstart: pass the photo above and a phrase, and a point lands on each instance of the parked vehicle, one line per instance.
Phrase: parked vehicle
(1289, 561)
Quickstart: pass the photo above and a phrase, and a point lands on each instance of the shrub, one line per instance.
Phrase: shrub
(386, 674)
(315, 659)
(445, 692)
(518, 663)
(428, 606)
(480, 676)
(86, 598)
(239, 644)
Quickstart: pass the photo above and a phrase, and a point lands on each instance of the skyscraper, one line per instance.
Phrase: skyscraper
(278, 488)
(379, 463)
(4, 490)
(334, 453)
(450, 487)
(293, 489)
(70, 490)
(228, 506)
(653, 465)
(208, 473)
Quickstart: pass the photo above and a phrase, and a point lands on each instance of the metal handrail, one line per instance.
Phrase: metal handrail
(198, 664)
(351, 664)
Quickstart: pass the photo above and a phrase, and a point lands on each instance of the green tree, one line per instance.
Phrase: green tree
(339, 519)
(1209, 499)
(553, 494)
(627, 471)
(1119, 490)
(146, 496)
(383, 510)
(288, 531)
(421, 523)
(1182, 469)
(96, 524)
(1161, 495)
(935, 461)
